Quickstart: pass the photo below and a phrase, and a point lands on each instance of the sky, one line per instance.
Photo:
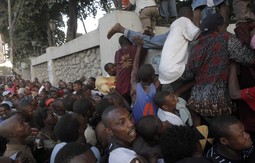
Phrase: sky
(91, 23)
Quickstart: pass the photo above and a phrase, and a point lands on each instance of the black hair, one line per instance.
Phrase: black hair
(211, 23)
(146, 73)
(56, 102)
(107, 66)
(92, 78)
(159, 98)
(115, 98)
(83, 90)
(102, 105)
(219, 126)
(53, 91)
(41, 103)
(40, 116)
(185, 11)
(68, 102)
(148, 127)
(25, 101)
(124, 41)
(78, 82)
(67, 128)
(6, 106)
(67, 91)
(45, 91)
(69, 151)
(19, 113)
(105, 113)
(82, 106)
(178, 142)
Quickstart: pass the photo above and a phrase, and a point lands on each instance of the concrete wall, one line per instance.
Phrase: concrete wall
(72, 67)
(87, 54)
(69, 62)
(41, 72)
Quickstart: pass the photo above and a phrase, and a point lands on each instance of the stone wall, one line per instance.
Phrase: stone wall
(41, 71)
(72, 67)
(26, 73)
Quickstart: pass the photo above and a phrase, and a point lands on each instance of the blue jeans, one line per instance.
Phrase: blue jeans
(150, 42)
(167, 8)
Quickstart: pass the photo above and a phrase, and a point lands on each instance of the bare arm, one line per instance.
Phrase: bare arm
(233, 85)
(134, 73)
(134, 76)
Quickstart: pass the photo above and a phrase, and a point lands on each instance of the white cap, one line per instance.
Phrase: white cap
(6, 93)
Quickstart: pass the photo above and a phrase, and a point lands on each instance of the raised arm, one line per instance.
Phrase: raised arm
(134, 76)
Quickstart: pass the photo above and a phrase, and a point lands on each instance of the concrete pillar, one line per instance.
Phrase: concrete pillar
(32, 72)
(51, 65)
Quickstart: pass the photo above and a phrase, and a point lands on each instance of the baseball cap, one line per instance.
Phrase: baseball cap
(211, 22)
(49, 101)
(248, 95)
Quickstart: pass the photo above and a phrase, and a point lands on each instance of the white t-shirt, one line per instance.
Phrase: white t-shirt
(55, 151)
(121, 154)
(170, 117)
(141, 4)
(61, 145)
(174, 54)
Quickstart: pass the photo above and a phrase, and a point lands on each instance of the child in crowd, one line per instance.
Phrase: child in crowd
(110, 68)
(124, 59)
(147, 11)
(142, 92)
(171, 110)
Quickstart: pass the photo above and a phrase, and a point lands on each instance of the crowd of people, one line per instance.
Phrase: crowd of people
(199, 108)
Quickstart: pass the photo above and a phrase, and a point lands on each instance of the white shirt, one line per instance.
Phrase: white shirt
(174, 54)
(55, 151)
(121, 154)
(61, 145)
(141, 4)
(170, 117)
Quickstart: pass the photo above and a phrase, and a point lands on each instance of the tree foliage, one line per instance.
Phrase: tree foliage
(32, 22)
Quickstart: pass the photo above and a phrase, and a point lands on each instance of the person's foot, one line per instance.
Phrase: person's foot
(117, 28)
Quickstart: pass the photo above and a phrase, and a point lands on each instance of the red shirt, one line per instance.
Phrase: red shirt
(124, 59)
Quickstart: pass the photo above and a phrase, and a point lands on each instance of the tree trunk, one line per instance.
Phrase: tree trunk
(72, 21)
